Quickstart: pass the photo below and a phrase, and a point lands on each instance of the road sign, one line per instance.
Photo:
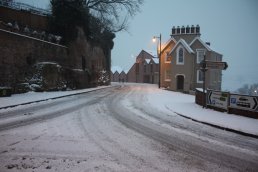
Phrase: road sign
(218, 99)
(244, 102)
(216, 65)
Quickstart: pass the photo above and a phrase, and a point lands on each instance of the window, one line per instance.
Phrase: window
(200, 76)
(151, 68)
(168, 58)
(144, 68)
(200, 55)
(168, 75)
(180, 55)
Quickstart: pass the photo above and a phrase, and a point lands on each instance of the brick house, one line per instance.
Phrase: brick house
(118, 74)
(180, 61)
(145, 69)
(166, 63)
(115, 77)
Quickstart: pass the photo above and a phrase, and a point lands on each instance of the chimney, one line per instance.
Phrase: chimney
(197, 29)
(187, 29)
(192, 29)
(182, 30)
(173, 30)
(178, 30)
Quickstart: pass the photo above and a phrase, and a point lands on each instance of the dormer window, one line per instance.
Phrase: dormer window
(180, 55)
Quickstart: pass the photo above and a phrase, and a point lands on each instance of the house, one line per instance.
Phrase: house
(118, 74)
(145, 69)
(180, 61)
(115, 76)
(122, 77)
(165, 73)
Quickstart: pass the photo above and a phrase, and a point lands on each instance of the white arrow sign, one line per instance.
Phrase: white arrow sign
(244, 102)
(218, 99)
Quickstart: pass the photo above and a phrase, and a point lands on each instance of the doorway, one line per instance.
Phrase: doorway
(180, 82)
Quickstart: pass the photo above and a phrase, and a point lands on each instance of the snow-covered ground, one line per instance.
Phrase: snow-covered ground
(134, 127)
(17, 99)
(184, 104)
(166, 101)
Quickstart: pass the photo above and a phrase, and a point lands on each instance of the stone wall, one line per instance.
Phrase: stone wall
(80, 60)
(19, 53)
(23, 17)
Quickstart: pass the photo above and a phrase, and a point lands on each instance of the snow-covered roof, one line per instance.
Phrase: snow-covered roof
(147, 61)
(152, 52)
(208, 47)
(203, 43)
(156, 60)
(184, 43)
(167, 43)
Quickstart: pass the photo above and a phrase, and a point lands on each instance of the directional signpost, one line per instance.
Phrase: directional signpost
(205, 65)
(213, 65)
(216, 65)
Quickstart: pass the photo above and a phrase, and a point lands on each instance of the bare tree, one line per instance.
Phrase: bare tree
(114, 14)
(248, 90)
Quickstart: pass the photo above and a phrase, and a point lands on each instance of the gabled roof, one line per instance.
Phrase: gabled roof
(203, 43)
(156, 60)
(167, 43)
(144, 51)
(184, 43)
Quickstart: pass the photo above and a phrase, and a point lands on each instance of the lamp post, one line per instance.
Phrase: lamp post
(154, 40)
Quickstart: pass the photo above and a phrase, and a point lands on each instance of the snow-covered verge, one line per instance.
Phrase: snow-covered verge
(183, 104)
(37, 96)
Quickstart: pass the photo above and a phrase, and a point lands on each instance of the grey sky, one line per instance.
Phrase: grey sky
(230, 25)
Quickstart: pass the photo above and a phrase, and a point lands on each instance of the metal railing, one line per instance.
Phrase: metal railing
(23, 6)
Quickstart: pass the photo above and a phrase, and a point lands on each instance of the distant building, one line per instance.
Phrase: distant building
(115, 76)
(118, 75)
(180, 61)
(122, 77)
(145, 69)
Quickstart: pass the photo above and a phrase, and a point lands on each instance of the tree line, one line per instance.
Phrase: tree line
(99, 19)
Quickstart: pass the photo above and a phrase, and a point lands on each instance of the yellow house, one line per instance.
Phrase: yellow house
(180, 61)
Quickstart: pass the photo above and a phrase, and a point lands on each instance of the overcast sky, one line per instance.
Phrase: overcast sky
(230, 25)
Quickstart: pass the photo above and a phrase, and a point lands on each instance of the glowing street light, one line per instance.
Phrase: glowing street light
(154, 40)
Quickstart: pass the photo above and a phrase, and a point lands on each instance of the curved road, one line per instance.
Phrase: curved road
(116, 130)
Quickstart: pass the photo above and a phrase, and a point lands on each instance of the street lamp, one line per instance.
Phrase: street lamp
(154, 40)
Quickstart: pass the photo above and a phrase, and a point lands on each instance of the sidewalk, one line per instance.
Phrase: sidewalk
(184, 105)
(30, 97)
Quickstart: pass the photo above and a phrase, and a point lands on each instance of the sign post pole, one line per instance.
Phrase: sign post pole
(203, 70)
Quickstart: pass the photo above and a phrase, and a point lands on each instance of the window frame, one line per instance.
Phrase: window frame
(197, 55)
(177, 56)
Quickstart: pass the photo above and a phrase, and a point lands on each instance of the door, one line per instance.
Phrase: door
(180, 82)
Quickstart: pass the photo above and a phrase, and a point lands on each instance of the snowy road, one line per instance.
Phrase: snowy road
(116, 129)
